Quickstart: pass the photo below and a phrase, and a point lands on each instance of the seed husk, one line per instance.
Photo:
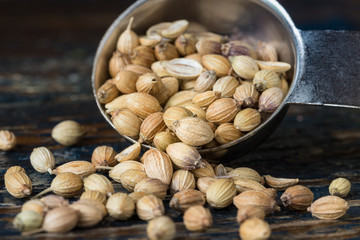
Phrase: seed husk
(246, 173)
(280, 183)
(118, 103)
(120, 206)
(220, 193)
(175, 29)
(150, 41)
(274, 66)
(297, 197)
(149, 83)
(149, 207)
(161, 228)
(197, 218)
(243, 185)
(329, 208)
(42, 160)
(81, 168)
(182, 68)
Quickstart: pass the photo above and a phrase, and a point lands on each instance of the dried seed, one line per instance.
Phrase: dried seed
(159, 70)
(165, 51)
(27, 220)
(237, 48)
(247, 212)
(18, 184)
(175, 29)
(142, 55)
(243, 185)
(143, 104)
(197, 218)
(125, 81)
(329, 207)
(226, 85)
(196, 111)
(185, 44)
(126, 123)
(152, 186)
(220, 170)
(265, 79)
(297, 197)
(205, 99)
(60, 220)
(173, 114)
(150, 41)
(94, 195)
(54, 201)
(181, 99)
(270, 99)
(120, 206)
(205, 81)
(182, 180)
(128, 40)
(208, 46)
(340, 187)
(118, 103)
(130, 178)
(163, 139)
(149, 83)
(117, 62)
(247, 95)
(149, 207)
(266, 52)
(158, 165)
(42, 160)
(153, 124)
(274, 66)
(68, 132)
(89, 215)
(217, 63)
(161, 228)
(244, 66)
(65, 184)
(226, 133)
(193, 131)
(97, 182)
(206, 170)
(35, 205)
(184, 156)
(204, 183)
(254, 229)
(185, 199)
(107, 92)
(103, 156)
(247, 120)
(222, 110)
(169, 87)
(138, 69)
(220, 193)
(256, 198)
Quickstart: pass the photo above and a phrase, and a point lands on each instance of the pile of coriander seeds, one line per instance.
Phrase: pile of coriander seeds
(191, 180)
(179, 84)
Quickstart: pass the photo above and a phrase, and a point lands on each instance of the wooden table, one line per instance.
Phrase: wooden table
(46, 54)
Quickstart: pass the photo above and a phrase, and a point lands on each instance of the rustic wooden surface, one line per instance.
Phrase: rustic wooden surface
(46, 53)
